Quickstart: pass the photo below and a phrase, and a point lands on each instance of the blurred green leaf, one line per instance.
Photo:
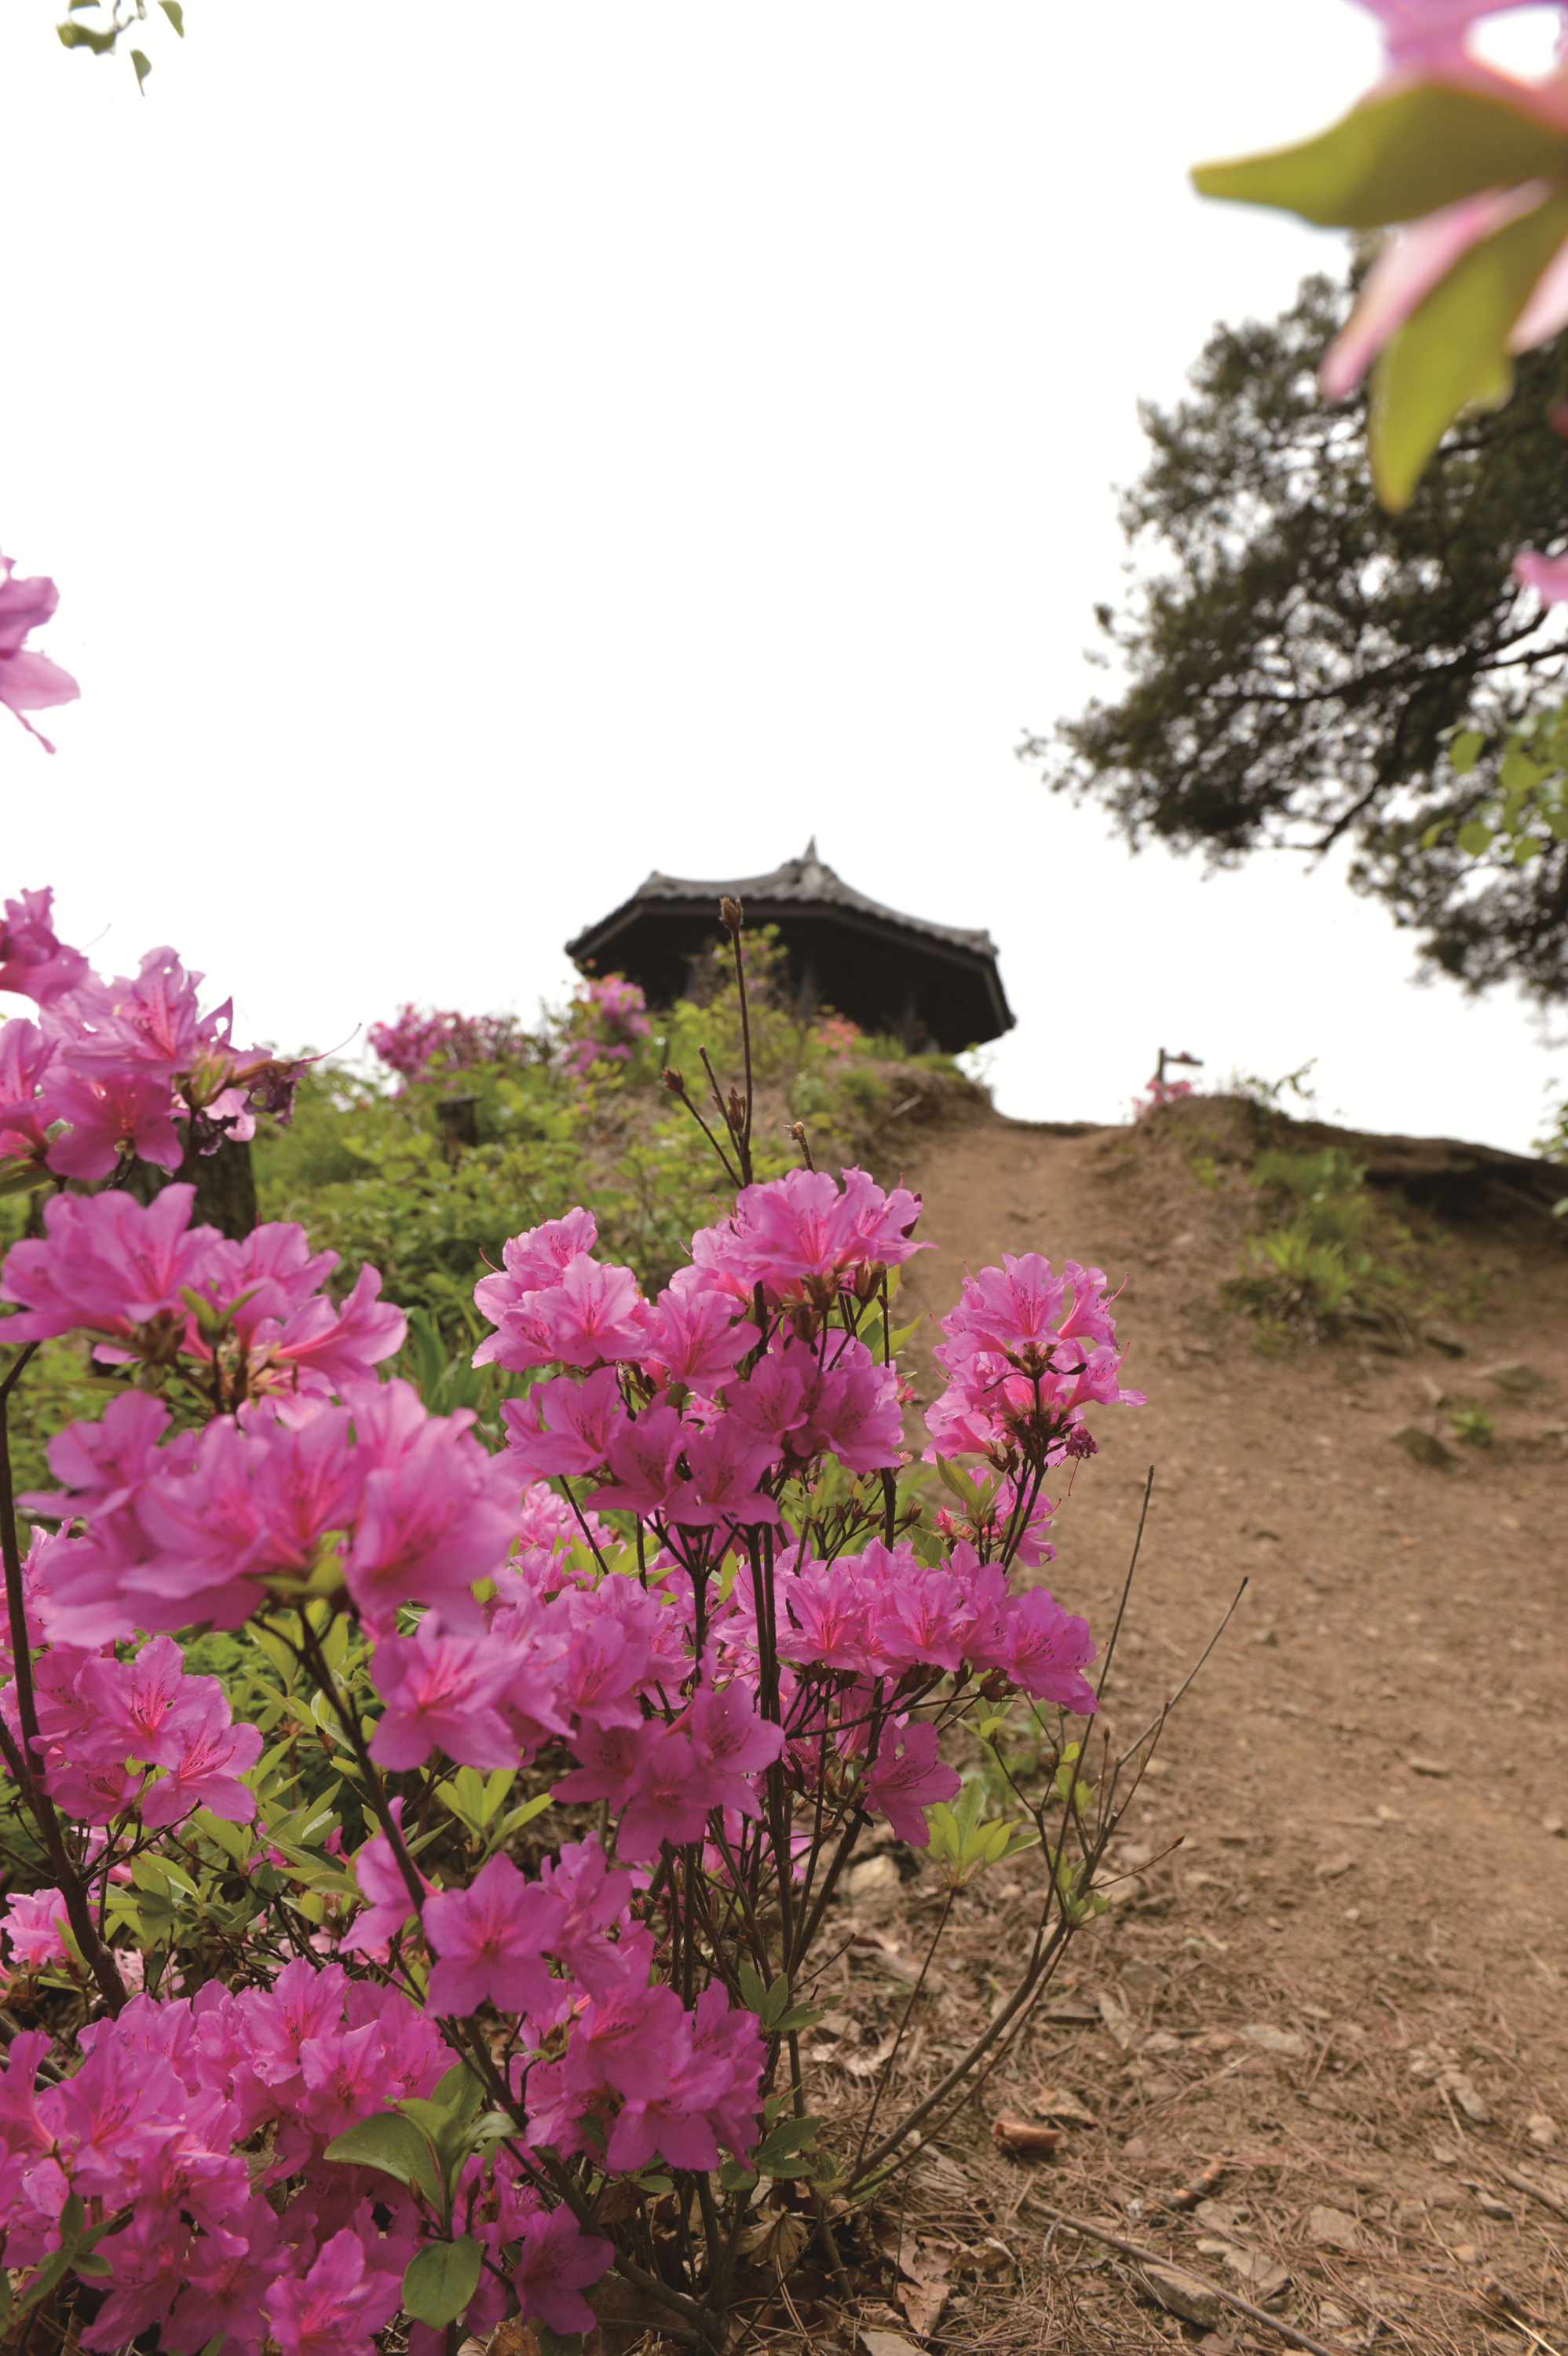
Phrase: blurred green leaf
(1395, 159)
(1453, 349)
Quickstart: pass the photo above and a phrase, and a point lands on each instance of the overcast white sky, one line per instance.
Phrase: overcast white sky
(487, 450)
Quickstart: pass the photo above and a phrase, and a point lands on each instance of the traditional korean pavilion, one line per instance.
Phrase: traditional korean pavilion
(933, 986)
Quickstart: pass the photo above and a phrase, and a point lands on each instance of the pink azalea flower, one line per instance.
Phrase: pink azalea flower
(380, 1879)
(490, 1939)
(439, 1512)
(534, 1260)
(800, 1231)
(603, 1667)
(1046, 1648)
(643, 1457)
(829, 1615)
(1425, 39)
(921, 1616)
(148, 1024)
(557, 2261)
(207, 1775)
(726, 1466)
(124, 1112)
(564, 1425)
(226, 2286)
(33, 961)
(94, 1789)
(693, 1337)
(850, 1409)
(146, 1708)
(105, 1264)
(730, 1742)
(324, 1346)
(337, 2308)
(612, 1760)
(906, 1778)
(33, 1928)
(25, 1110)
(29, 680)
(593, 1898)
(440, 1694)
(671, 1799)
(592, 1314)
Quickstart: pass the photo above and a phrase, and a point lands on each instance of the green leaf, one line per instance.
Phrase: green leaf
(176, 14)
(394, 2144)
(780, 2153)
(752, 1993)
(1395, 159)
(83, 36)
(775, 2004)
(1453, 349)
(440, 2280)
(143, 66)
(1475, 838)
(1465, 750)
(736, 2176)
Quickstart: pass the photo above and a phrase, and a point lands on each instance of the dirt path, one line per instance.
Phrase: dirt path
(1370, 1782)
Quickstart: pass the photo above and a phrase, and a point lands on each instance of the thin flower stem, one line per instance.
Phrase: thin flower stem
(744, 1142)
(1126, 1586)
(885, 2080)
(309, 1651)
(20, 1758)
(1157, 1722)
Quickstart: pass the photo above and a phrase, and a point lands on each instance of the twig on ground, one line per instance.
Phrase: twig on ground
(1287, 2331)
(1541, 2192)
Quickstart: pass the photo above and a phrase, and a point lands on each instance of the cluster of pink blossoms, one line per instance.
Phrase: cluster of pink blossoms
(200, 2129)
(113, 1069)
(606, 1019)
(633, 1597)
(425, 1045)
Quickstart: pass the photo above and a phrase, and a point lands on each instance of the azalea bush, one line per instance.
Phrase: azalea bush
(420, 1856)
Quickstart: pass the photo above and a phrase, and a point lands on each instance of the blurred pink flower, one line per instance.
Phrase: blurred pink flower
(1547, 576)
(28, 682)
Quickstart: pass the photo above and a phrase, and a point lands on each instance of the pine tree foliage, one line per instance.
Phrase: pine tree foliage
(1295, 656)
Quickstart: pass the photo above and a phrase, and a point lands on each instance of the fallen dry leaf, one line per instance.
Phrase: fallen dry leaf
(1118, 2020)
(775, 2237)
(922, 2305)
(1023, 2138)
(1056, 2103)
(887, 2343)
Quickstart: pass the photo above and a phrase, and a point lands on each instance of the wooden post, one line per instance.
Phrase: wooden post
(459, 1118)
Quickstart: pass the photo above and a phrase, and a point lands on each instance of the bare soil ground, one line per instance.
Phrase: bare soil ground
(1336, 1976)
